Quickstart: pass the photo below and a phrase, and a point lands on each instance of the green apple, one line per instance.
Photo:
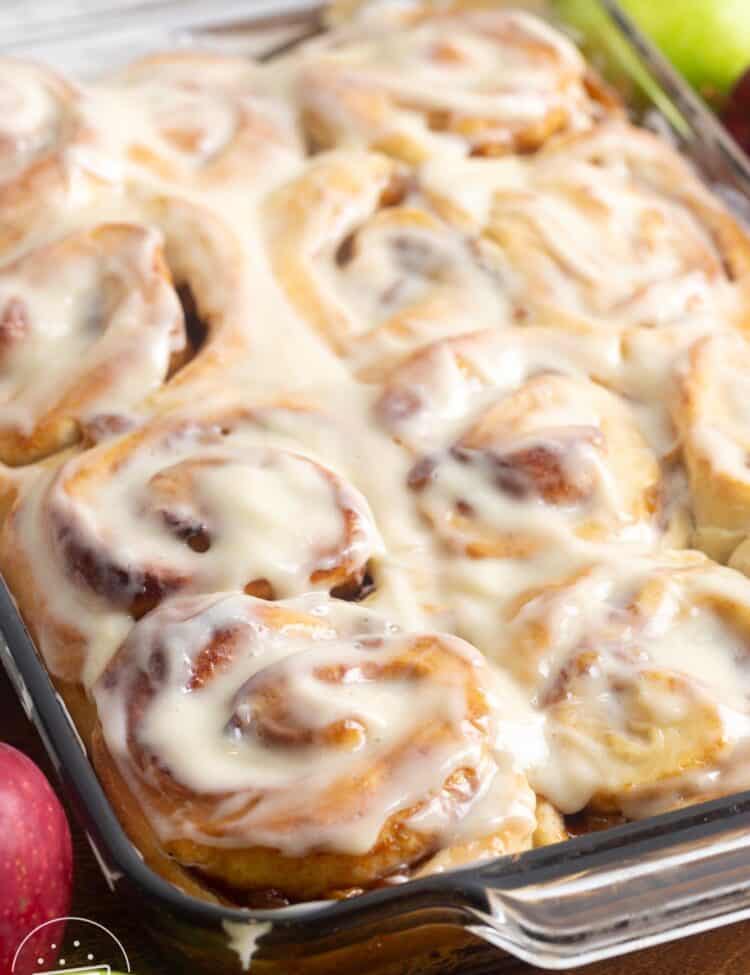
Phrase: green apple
(708, 40)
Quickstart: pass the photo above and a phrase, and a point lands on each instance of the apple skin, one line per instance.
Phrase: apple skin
(36, 859)
(707, 40)
(736, 113)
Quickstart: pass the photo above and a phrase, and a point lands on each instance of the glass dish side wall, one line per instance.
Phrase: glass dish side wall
(593, 897)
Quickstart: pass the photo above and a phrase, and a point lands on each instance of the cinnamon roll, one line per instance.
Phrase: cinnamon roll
(371, 267)
(194, 501)
(710, 411)
(533, 452)
(202, 119)
(608, 230)
(92, 325)
(640, 671)
(48, 160)
(319, 748)
(419, 79)
(86, 323)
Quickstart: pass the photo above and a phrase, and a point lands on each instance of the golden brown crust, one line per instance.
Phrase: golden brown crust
(137, 826)
(550, 825)
(708, 410)
(204, 830)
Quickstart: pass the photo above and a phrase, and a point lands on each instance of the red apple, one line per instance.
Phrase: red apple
(36, 860)
(736, 113)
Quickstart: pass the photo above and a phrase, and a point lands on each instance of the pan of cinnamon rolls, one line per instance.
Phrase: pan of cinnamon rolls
(374, 449)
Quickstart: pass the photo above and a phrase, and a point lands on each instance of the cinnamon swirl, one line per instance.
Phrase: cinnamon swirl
(202, 119)
(89, 323)
(660, 689)
(640, 671)
(320, 748)
(369, 265)
(419, 79)
(654, 250)
(195, 501)
(523, 450)
(92, 325)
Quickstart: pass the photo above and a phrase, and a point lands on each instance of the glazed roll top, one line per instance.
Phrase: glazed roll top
(369, 263)
(95, 323)
(605, 230)
(518, 449)
(193, 502)
(421, 79)
(87, 324)
(199, 119)
(307, 746)
(640, 672)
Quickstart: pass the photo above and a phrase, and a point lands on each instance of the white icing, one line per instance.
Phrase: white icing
(644, 256)
(415, 728)
(243, 939)
(91, 310)
(678, 661)
(425, 81)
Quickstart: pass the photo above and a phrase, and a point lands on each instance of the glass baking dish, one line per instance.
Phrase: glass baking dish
(590, 898)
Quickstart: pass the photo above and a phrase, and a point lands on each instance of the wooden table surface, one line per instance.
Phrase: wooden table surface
(722, 952)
